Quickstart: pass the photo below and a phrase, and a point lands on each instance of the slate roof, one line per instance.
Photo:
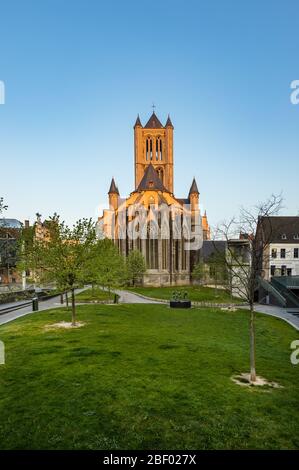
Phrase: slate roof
(113, 187)
(151, 180)
(168, 122)
(212, 246)
(193, 188)
(138, 122)
(153, 123)
(280, 229)
(183, 200)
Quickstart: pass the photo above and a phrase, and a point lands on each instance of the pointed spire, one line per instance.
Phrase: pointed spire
(138, 122)
(153, 122)
(168, 122)
(193, 188)
(113, 188)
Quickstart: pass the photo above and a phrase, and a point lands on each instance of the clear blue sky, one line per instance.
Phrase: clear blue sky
(77, 72)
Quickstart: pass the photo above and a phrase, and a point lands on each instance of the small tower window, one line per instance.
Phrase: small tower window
(160, 149)
(160, 173)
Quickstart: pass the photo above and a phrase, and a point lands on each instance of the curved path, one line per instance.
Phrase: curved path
(128, 297)
(43, 305)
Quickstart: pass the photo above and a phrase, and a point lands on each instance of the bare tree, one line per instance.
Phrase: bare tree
(247, 243)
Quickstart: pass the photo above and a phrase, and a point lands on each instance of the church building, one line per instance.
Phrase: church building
(151, 219)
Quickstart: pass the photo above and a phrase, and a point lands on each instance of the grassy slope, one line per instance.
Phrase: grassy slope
(200, 294)
(145, 377)
(94, 294)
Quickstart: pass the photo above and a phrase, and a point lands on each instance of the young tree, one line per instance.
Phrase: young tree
(199, 271)
(136, 266)
(60, 256)
(106, 267)
(245, 267)
(218, 268)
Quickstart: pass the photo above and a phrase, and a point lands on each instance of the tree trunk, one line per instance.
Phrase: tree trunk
(66, 300)
(252, 345)
(73, 308)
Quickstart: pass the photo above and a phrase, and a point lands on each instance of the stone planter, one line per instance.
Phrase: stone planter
(180, 304)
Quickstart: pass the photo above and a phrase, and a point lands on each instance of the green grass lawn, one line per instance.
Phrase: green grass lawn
(195, 293)
(94, 294)
(146, 377)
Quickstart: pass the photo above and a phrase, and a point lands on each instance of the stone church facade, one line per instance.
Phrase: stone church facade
(167, 230)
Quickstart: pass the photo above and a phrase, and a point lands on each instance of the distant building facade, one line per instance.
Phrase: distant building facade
(151, 219)
(281, 256)
(10, 232)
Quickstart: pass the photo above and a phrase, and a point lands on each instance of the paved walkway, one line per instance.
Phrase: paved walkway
(279, 312)
(43, 305)
(127, 297)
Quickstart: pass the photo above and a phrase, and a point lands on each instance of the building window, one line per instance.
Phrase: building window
(289, 271)
(282, 253)
(296, 252)
(164, 254)
(158, 148)
(273, 267)
(283, 236)
(160, 174)
(274, 253)
(283, 270)
(296, 236)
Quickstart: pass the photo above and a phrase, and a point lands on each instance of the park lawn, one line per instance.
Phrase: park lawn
(195, 293)
(146, 377)
(94, 294)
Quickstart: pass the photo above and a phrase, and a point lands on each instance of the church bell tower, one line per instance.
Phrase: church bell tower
(153, 143)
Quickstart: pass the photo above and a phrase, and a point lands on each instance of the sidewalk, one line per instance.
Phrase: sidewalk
(43, 305)
(279, 312)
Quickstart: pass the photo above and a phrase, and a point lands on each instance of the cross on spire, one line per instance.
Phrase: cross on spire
(153, 106)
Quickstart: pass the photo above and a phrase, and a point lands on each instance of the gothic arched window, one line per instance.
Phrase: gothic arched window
(149, 149)
(159, 148)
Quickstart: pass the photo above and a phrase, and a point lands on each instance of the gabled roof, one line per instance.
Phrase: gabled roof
(138, 122)
(153, 122)
(280, 229)
(113, 187)
(168, 122)
(151, 180)
(193, 188)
